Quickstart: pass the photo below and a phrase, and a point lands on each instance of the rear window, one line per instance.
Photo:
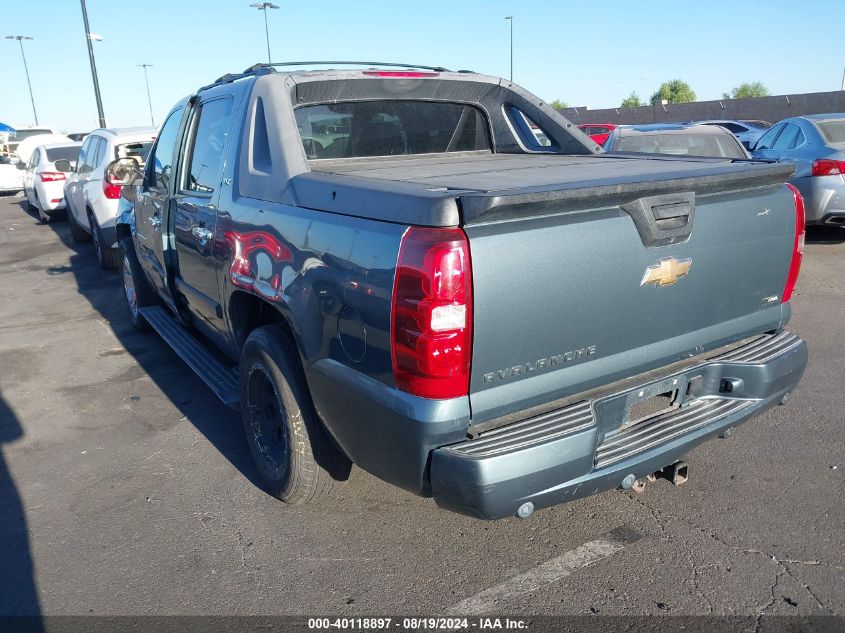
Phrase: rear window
(138, 151)
(20, 135)
(708, 145)
(63, 153)
(763, 125)
(833, 131)
(390, 128)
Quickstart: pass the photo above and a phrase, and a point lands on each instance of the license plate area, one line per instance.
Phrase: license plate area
(653, 400)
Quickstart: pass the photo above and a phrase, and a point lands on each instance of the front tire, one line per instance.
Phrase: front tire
(136, 289)
(296, 460)
(108, 257)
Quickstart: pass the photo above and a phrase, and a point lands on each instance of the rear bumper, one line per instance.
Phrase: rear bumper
(587, 446)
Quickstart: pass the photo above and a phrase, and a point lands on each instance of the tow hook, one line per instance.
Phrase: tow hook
(677, 473)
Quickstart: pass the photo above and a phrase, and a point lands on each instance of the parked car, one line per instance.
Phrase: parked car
(21, 134)
(747, 131)
(815, 145)
(597, 131)
(27, 146)
(92, 201)
(314, 229)
(43, 184)
(677, 139)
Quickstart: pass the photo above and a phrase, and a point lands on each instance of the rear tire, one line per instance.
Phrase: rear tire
(76, 232)
(45, 219)
(136, 289)
(108, 257)
(292, 451)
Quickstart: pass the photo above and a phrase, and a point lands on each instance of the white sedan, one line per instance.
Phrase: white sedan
(43, 184)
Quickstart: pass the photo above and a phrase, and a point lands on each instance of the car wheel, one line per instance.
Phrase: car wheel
(108, 257)
(41, 215)
(76, 232)
(136, 289)
(31, 208)
(292, 451)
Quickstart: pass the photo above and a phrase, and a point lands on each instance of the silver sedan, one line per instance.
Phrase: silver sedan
(815, 144)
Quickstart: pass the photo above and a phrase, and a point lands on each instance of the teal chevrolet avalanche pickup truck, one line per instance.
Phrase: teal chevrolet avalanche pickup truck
(437, 277)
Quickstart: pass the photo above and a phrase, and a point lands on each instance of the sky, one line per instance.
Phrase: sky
(585, 54)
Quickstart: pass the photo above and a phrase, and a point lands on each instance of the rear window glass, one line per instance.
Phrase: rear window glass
(20, 135)
(763, 125)
(709, 145)
(138, 151)
(63, 153)
(390, 128)
(833, 131)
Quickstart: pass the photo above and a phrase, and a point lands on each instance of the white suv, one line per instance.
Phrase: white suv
(91, 200)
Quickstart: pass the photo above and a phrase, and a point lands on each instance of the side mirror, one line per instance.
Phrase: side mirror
(20, 166)
(124, 171)
(63, 165)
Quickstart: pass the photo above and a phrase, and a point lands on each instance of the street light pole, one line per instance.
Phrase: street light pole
(149, 100)
(88, 40)
(20, 39)
(265, 6)
(509, 18)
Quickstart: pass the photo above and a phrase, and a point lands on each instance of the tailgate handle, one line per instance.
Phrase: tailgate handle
(663, 220)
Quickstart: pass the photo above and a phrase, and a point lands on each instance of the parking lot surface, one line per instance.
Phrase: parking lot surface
(126, 488)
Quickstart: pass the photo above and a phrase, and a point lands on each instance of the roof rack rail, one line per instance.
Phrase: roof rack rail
(439, 69)
(263, 69)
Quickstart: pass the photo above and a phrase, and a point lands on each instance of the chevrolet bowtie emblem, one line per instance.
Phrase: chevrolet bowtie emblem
(666, 271)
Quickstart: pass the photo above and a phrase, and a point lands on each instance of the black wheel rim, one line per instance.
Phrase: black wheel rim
(267, 423)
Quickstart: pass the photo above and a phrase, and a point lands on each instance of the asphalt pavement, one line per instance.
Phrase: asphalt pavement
(127, 489)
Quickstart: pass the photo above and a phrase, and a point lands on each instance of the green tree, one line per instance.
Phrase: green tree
(746, 90)
(557, 104)
(674, 91)
(632, 101)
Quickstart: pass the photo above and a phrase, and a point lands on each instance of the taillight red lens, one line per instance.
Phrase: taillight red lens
(397, 73)
(431, 315)
(51, 176)
(112, 191)
(827, 167)
(797, 245)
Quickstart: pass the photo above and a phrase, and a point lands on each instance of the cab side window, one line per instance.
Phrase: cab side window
(211, 128)
(160, 160)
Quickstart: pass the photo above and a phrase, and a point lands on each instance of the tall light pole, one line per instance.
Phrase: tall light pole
(88, 40)
(265, 6)
(20, 39)
(149, 100)
(509, 18)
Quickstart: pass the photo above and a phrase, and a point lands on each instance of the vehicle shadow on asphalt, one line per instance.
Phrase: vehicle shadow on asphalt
(825, 235)
(103, 289)
(18, 592)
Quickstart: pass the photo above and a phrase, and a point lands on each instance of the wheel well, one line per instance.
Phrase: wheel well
(248, 312)
(123, 231)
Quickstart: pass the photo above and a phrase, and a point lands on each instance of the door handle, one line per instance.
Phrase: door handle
(201, 233)
(155, 221)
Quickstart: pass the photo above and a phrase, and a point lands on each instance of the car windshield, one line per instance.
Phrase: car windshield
(763, 125)
(71, 152)
(138, 151)
(708, 145)
(20, 135)
(833, 131)
(390, 128)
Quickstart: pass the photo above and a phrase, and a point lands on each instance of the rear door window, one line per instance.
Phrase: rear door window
(768, 139)
(787, 138)
(390, 128)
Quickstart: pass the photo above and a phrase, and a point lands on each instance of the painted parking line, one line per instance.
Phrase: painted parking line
(549, 572)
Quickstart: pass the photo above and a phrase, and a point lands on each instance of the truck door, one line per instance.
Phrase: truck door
(152, 199)
(195, 211)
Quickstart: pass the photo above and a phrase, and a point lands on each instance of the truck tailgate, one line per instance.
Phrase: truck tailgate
(575, 296)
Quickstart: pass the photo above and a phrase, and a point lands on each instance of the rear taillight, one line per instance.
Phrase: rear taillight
(827, 167)
(112, 190)
(431, 315)
(797, 245)
(51, 176)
